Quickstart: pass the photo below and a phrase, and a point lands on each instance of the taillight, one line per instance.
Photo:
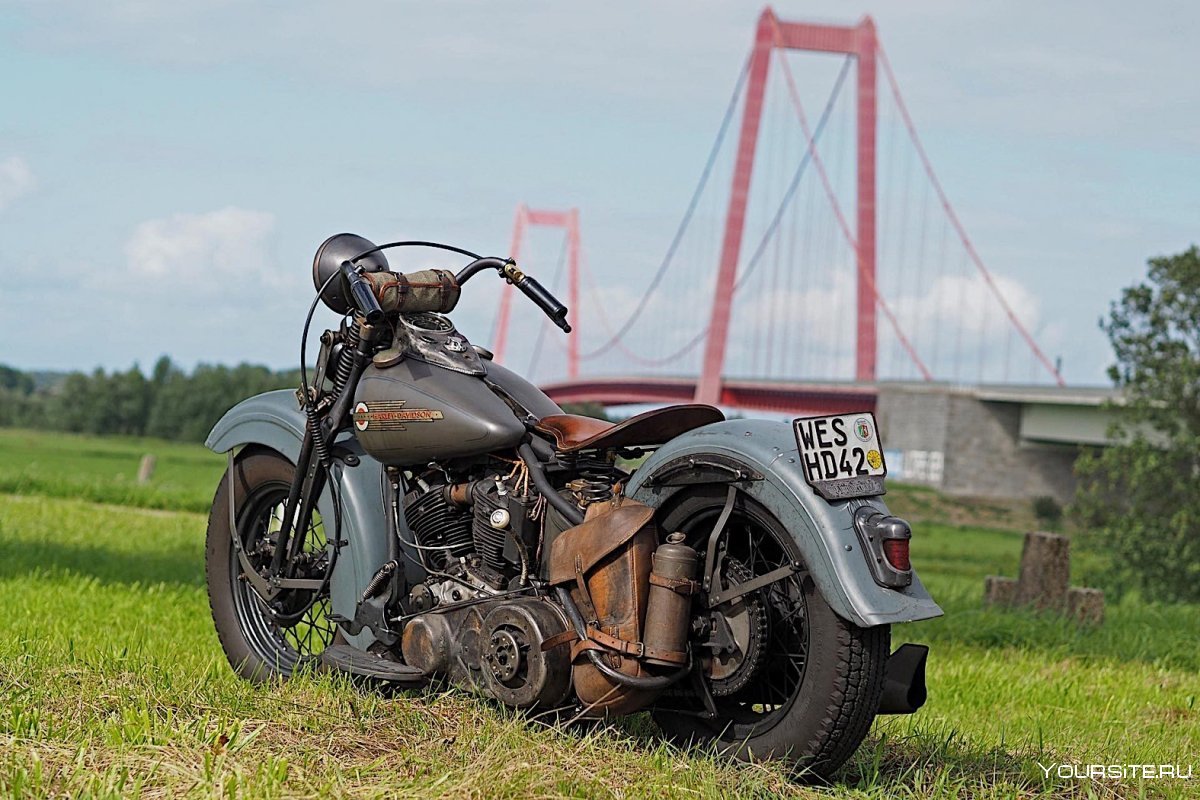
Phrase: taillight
(884, 541)
(896, 553)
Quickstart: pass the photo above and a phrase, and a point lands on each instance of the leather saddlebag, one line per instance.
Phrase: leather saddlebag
(606, 562)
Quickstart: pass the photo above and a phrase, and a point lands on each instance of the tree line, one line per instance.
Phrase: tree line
(168, 403)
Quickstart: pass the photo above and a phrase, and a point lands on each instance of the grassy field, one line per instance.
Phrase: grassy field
(113, 683)
(105, 470)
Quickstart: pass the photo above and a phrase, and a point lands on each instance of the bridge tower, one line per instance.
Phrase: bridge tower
(858, 41)
(569, 221)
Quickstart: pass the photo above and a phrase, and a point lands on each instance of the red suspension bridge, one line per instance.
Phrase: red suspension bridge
(827, 301)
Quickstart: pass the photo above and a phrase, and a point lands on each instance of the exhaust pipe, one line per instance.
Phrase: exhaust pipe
(904, 680)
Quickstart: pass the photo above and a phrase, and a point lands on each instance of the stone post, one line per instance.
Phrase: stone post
(1044, 582)
(146, 469)
(1045, 572)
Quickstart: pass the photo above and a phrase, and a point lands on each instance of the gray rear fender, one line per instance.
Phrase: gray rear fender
(823, 530)
(272, 420)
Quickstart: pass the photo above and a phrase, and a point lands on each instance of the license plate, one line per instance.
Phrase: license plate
(841, 455)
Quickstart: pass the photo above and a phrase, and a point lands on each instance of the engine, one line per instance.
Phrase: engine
(477, 537)
(495, 551)
(439, 525)
(494, 524)
(487, 527)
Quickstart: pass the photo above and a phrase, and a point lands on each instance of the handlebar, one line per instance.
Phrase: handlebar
(477, 266)
(540, 295)
(362, 294)
(364, 298)
(542, 298)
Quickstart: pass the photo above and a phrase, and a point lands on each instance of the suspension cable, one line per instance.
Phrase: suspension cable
(772, 227)
(850, 238)
(958, 226)
(809, 157)
(683, 224)
(619, 345)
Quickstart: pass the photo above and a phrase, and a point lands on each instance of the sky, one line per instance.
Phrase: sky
(168, 169)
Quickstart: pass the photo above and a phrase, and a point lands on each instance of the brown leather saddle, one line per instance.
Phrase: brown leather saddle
(572, 432)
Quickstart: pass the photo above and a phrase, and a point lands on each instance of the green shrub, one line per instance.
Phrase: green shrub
(1048, 511)
(1137, 503)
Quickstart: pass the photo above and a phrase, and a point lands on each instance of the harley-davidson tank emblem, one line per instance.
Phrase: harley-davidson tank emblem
(390, 415)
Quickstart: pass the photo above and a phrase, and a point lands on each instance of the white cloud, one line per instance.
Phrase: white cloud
(16, 180)
(956, 325)
(202, 250)
(949, 304)
(960, 329)
(966, 303)
(826, 310)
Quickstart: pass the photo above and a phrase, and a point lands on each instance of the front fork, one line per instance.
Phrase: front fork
(312, 470)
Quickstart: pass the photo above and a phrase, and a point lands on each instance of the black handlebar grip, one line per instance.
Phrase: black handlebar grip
(362, 294)
(547, 302)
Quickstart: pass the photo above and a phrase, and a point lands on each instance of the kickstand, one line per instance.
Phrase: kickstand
(701, 685)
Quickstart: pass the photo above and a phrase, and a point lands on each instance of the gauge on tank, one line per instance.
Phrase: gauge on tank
(432, 338)
(428, 321)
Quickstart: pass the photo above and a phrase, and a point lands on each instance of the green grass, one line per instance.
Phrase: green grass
(105, 470)
(112, 682)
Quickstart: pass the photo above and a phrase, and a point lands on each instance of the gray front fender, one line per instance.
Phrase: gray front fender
(272, 420)
(823, 531)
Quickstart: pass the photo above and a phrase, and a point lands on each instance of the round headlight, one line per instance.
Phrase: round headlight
(328, 261)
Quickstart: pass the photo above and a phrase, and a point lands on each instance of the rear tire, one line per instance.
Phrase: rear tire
(259, 645)
(840, 666)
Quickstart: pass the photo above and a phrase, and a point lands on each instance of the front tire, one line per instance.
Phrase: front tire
(263, 642)
(817, 678)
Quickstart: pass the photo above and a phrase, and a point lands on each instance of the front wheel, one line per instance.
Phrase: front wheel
(798, 683)
(264, 640)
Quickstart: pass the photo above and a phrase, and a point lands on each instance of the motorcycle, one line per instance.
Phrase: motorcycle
(418, 514)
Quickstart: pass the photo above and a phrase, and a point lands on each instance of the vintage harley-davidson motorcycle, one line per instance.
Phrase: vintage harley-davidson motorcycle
(416, 513)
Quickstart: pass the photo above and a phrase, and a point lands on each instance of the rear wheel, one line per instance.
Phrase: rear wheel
(800, 683)
(261, 639)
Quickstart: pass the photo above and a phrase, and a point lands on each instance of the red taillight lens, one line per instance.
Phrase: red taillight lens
(896, 553)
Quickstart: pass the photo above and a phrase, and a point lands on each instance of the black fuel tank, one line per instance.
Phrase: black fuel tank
(413, 412)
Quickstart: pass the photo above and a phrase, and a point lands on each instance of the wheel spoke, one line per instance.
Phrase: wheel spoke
(779, 674)
(282, 645)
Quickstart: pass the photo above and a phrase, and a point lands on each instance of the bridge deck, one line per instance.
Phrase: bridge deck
(773, 396)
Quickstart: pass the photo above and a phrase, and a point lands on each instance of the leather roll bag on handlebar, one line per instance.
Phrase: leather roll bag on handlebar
(605, 562)
(427, 290)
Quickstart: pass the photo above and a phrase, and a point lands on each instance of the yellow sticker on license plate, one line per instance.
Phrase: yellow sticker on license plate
(841, 455)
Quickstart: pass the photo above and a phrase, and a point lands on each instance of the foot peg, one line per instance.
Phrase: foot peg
(352, 661)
